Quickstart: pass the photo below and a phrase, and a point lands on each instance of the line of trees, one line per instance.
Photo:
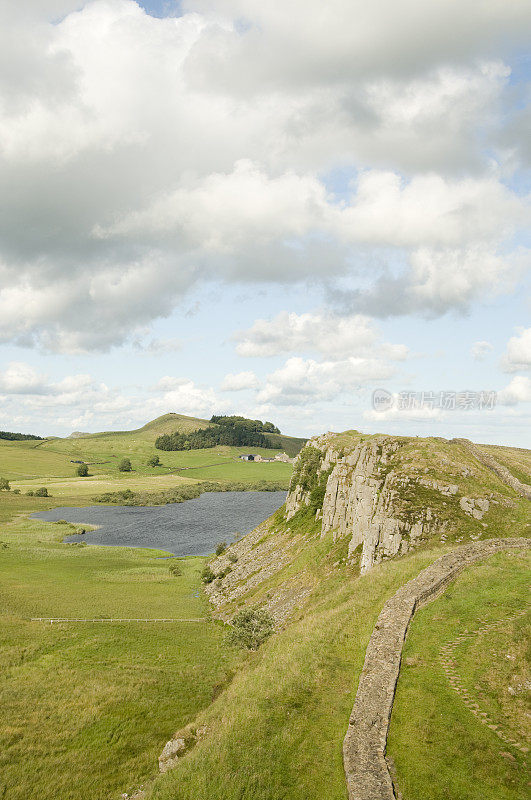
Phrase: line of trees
(17, 437)
(232, 431)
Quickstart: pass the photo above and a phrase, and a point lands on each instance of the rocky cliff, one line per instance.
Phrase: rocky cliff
(387, 494)
(355, 500)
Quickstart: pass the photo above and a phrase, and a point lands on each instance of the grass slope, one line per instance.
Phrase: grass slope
(276, 733)
(87, 708)
(50, 462)
(441, 750)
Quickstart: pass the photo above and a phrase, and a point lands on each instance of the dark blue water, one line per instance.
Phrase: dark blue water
(192, 528)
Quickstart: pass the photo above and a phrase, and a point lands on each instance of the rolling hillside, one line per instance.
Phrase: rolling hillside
(363, 515)
(53, 462)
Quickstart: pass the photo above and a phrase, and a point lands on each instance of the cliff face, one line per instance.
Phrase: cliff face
(385, 494)
(355, 500)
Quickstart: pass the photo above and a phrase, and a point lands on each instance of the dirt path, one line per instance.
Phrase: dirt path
(366, 769)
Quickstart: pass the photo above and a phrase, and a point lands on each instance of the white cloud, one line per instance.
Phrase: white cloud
(304, 381)
(143, 155)
(306, 43)
(480, 349)
(21, 378)
(323, 332)
(517, 391)
(403, 414)
(155, 346)
(437, 211)
(181, 395)
(518, 354)
(81, 401)
(237, 382)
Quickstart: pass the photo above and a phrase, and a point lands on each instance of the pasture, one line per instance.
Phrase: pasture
(94, 701)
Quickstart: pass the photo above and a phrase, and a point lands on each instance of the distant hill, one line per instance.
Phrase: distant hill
(180, 423)
(167, 423)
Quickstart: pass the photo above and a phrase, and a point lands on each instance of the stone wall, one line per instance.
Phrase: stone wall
(366, 769)
(523, 489)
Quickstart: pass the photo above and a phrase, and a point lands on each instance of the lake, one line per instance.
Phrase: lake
(192, 528)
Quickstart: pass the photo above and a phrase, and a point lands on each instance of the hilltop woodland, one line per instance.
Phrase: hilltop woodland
(18, 437)
(233, 431)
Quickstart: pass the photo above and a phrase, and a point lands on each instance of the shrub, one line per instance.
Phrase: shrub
(224, 573)
(220, 548)
(232, 557)
(251, 627)
(125, 465)
(16, 491)
(4, 485)
(30, 493)
(175, 569)
(82, 470)
(207, 576)
(154, 461)
(42, 492)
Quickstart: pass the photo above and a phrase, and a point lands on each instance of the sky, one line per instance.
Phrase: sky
(272, 209)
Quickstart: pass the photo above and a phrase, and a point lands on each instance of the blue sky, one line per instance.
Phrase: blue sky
(232, 207)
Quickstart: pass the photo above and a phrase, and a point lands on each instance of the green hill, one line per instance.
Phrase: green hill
(364, 514)
(53, 462)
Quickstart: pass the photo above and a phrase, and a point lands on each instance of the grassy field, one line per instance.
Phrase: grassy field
(440, 748)
(87, 708)
(277, 730)
(103, 451)
(29, 465)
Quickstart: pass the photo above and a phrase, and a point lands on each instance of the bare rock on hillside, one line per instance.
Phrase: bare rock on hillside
(171, 754)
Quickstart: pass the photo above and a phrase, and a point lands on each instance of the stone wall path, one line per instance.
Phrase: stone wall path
(366, 769)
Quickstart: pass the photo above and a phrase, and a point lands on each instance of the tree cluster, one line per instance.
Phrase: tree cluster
(17, 437)
(251, 424)
(231, 431)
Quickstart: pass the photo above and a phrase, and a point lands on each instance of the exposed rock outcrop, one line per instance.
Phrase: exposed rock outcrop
(374, 497)
(364, 499)
(250, 562)
(386, 494)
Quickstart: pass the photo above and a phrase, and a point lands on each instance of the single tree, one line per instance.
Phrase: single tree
(221, 547)
(154, 461)
(82, 470)
(42, 492)
(4, 485)
(125, 465)
(251, 627)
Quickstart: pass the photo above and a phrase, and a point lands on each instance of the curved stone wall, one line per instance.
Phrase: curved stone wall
(502, 472)
(366, 769)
